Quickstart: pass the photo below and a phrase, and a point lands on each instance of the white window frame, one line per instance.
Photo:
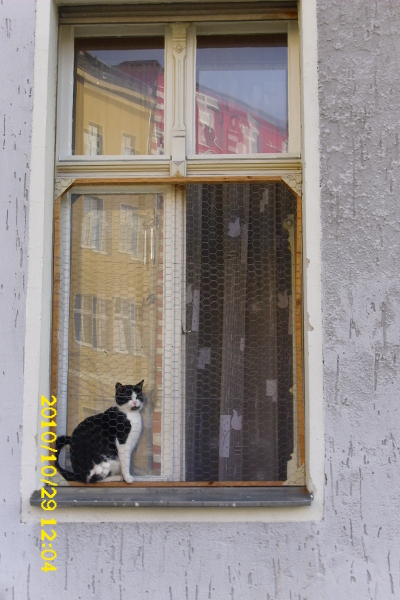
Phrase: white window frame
(179, 135)
(39, 288)
(179, 93)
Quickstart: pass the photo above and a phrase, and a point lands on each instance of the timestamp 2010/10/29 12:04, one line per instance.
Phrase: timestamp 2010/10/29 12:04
(49, 490)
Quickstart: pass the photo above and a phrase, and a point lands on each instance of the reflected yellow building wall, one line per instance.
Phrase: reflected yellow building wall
(109, 274)
(116, 111)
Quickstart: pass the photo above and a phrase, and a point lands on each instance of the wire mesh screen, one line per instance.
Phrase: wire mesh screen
(145, 396)
(114, 321)
(240, 344)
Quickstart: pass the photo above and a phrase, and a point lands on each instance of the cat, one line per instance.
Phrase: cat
(101, 446)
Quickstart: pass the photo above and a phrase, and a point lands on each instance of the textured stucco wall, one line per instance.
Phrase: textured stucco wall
(354, 552)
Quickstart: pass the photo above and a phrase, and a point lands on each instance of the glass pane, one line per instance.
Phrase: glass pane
(115, 316)
(241, 94)
(240, 393)
(119, 96)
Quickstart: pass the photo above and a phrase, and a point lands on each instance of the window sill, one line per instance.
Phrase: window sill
(179, 497)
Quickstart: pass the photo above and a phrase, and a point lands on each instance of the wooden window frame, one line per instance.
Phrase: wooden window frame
(173, 362)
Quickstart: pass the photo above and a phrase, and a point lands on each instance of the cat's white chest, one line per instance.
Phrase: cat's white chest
(131, 443)
(136, 421)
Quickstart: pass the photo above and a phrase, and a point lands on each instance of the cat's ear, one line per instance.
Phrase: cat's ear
(140, 385)
(118, 387)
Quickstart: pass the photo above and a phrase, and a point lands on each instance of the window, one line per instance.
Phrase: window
(93, 226)
(132, 237)
(180, 248)
(128, 144)
(90, 321)
(127, 328)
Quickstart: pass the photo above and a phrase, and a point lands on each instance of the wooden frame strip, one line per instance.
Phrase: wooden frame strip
(180, 484)
(294, 183)
(115, 181)
(56, 307)
(299, 329)
(166, 13)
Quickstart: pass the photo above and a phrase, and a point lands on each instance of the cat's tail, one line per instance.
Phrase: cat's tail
(64, 440)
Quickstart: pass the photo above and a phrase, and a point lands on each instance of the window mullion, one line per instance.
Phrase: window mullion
(178, 162)
(190, 89)
(168, 361)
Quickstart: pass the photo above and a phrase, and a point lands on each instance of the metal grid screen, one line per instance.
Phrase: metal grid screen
(241, 328)
(238, 415)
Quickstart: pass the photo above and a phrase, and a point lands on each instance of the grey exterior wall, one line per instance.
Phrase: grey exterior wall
(354, 552)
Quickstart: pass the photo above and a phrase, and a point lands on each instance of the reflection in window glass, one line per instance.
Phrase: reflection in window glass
(241, 94)
(119, 96)
(116, 312)
(128, 144)
(93, 230)
(132, 233)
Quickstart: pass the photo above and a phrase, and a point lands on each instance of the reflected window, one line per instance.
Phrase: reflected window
(124, 326)
(90, 321)
(119, 87)
(241, 94)
(93, 229)
(131, 233)
(93, 140)
(128, 144)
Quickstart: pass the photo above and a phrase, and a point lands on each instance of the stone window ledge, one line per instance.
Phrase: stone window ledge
(179, 497)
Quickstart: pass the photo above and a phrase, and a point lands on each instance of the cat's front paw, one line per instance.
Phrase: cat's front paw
(129, 478)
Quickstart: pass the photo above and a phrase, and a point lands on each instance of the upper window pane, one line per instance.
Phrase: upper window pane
(241, 94)
(119, 96)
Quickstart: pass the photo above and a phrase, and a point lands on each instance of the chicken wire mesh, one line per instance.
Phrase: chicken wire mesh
(240, 352)
(177, 340)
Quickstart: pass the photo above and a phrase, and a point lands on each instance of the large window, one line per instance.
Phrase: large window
(178, 244)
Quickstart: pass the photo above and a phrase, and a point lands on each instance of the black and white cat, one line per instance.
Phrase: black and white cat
(101, 446)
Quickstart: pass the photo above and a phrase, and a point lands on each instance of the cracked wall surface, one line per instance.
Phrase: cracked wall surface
(354, 552)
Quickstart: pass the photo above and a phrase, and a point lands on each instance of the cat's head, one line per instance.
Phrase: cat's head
(130, 397)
